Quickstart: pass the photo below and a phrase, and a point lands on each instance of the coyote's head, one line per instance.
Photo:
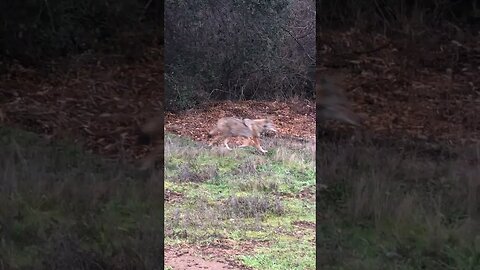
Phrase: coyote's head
(268, 125)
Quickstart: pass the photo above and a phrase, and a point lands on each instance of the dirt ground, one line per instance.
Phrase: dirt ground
(214, 257)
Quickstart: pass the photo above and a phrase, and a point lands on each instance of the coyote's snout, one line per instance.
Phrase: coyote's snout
(332, 103)
(228, 127)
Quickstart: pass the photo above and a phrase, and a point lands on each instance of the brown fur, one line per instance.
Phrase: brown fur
(332, 103)
(152, 131)
(250, 130)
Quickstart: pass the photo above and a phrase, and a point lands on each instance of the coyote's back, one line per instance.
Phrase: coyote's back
(231, 127)
(249, 129)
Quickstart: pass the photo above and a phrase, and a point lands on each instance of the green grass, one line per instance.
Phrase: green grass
(390, 209)
(64, 209)
(245, 197)
(290, 253)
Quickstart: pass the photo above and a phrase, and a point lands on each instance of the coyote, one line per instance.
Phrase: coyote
(332, 103)
(152, 130)
(228, 127)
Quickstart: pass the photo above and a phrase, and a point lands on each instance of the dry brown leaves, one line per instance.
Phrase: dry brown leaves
(196, 123)
(100, 101)
(97, 103)
(409, 90)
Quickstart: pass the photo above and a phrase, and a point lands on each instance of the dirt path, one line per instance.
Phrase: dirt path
(182, 259)
(218, 256)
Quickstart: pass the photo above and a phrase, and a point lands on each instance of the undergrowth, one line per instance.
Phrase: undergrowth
(64, 209)
(387, 209)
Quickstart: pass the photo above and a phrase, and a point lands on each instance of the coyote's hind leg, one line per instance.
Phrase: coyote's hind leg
(246, 142)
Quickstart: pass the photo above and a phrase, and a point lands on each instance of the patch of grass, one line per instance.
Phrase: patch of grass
(251, 206)
(61, 208)
(288, 253)
(390, 209)
(244, 197)
(252, 184)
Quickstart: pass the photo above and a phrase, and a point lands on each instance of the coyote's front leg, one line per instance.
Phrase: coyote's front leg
(256, 142)
(225, 142)
(214, 140)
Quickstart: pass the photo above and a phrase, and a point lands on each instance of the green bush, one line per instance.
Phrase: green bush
(238, 49)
